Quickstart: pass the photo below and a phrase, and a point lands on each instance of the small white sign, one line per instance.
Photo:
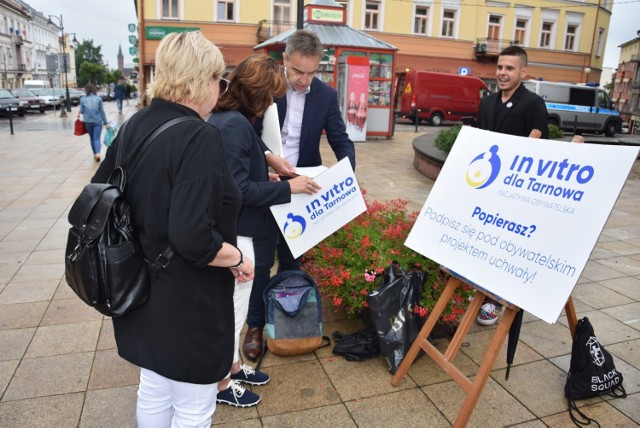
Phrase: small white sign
(464, 71)
(308, 219)
(271, 135)
(519, 217)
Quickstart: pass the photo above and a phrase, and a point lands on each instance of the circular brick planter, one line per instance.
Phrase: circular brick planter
(427, 158)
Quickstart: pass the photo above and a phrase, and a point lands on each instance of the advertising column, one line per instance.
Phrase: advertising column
(357, 97)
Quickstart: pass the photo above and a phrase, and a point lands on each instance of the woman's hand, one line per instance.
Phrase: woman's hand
(303, 184)
(244, 273)
(273, 177)
(280, 165)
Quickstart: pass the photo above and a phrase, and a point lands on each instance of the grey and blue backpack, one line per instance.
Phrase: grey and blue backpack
(293, 307)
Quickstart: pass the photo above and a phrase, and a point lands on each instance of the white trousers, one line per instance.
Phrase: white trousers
(164, 403)
(241, 295)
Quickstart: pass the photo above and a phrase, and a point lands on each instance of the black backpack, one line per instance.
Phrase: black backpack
(591, 372)
(104, 264)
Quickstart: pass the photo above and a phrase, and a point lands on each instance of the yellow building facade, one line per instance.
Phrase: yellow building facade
(565, 39)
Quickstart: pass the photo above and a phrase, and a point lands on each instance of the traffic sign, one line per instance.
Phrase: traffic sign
(133, 51)
(133, 40)
(132, 28)
(464, 71)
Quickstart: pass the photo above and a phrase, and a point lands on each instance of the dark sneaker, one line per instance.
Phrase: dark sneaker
(250, 376)
(237, 396)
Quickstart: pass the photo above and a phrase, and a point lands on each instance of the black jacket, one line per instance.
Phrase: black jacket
(523, 112)
(244, 154)
(181, 194)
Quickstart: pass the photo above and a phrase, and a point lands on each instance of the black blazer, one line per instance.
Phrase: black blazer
(321, 112)
(244, 155)
(526, 112)
(181, 194)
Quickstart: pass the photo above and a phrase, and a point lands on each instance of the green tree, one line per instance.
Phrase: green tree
(88, 62)
(90, 72)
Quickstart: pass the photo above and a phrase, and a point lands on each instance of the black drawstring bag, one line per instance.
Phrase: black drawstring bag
(591, 372)
(357, 346)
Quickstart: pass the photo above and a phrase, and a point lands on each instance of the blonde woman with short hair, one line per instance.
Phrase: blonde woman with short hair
(183, 196)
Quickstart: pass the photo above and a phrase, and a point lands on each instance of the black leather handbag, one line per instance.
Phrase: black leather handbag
(104, 264)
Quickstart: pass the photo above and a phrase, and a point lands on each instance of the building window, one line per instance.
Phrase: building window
(282, 11)
(600, 44)
(170, 9)
(545, 34)
(372, 9)
(493, 32)
(225, 10)
(570, 39)
(521, 31)
(420, 20)
(448, 23)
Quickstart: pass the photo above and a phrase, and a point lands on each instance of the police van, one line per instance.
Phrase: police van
(578, 108)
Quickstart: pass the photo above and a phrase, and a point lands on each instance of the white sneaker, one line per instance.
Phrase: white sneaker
(489, 314)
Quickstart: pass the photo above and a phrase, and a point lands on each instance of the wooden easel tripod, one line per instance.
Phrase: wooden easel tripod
(445, 361)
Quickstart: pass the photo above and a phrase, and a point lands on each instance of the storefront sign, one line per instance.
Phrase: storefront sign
(308, 219)
(157, 33)
(327, 15)
(519, 217)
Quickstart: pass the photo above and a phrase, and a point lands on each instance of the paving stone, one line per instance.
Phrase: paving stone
(61, 339)
(113, 407)
(60, 411)
(328, 416)
(22, 315)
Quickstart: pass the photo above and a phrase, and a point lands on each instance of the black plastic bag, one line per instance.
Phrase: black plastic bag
(357, 346)
(392, 312)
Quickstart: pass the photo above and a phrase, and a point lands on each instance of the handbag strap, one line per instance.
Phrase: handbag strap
(136, 156)
(164, 257)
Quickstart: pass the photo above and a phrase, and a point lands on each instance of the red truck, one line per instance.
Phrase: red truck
(438, 96)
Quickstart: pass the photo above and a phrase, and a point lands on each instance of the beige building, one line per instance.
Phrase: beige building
(565, 39)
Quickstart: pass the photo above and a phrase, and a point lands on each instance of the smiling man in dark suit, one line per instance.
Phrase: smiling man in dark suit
(309, 108)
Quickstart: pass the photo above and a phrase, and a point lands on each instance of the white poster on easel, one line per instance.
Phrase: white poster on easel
(308, 219)
(519, 217)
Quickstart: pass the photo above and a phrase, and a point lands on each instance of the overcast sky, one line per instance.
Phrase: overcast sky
(105, 21)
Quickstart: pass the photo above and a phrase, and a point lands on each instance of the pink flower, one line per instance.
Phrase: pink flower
(369, 277)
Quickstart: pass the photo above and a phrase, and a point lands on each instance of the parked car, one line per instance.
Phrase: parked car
(34, 102)
(52, 97)
(75, 95)
(10, 104)
(105, 95)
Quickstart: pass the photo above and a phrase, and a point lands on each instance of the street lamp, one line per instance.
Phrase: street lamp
(64, 62)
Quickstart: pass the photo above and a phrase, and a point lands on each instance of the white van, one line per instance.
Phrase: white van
(578, 108)
(36, 84)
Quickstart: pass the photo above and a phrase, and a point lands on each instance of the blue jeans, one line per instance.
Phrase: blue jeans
(94, 129)
(119, 104)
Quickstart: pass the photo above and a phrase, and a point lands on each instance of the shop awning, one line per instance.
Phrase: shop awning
(332, 35)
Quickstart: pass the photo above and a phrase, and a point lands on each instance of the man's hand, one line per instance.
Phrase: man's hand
(535, 133)
(577, 139)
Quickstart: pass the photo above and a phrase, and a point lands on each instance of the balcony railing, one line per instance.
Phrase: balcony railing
(268, 29)
(492, 47)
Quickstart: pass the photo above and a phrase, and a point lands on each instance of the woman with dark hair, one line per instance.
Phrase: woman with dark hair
(253, 85)
(93, 117)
